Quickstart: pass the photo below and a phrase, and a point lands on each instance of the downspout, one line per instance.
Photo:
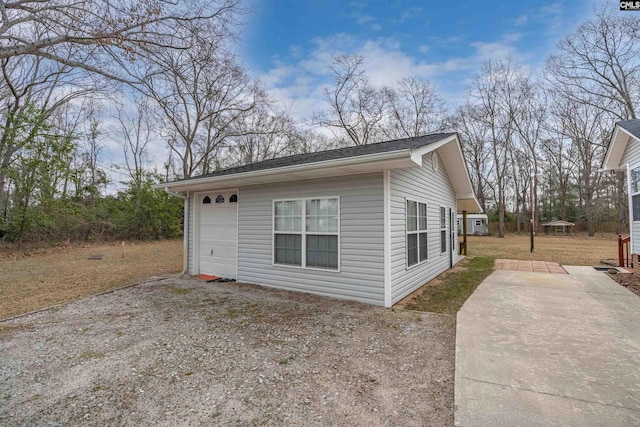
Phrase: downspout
(185, 239)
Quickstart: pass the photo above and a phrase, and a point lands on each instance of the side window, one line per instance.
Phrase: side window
(634, 181)
(416, 228)
(443, 230)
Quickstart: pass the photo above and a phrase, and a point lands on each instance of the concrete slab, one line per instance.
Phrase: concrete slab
(528, 265)
(548, 349)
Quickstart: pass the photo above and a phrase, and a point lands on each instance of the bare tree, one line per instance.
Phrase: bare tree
(104, 34)
(414, 109)
(495, 98)
(355, 107)
(264, 134)
(137, 132)
(599, 64)
(530, 121)
(476, 148)
(201, 93)
(586, 127)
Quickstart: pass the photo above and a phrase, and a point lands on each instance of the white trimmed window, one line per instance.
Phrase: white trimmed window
(306, 232)
(634, 181)
(443, 230)
(417, 247)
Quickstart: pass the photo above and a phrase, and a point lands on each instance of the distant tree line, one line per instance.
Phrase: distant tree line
(80, 80)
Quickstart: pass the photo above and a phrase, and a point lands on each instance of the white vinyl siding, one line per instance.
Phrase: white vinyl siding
(436, 190)
(361, 240)
(631, 157)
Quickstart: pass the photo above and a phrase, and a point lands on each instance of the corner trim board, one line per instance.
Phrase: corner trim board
(386, 179)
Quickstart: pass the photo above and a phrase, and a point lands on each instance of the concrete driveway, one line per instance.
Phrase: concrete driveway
(548, 349)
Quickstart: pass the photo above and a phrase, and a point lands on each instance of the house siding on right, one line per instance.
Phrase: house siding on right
(631, 157)
(421, 184)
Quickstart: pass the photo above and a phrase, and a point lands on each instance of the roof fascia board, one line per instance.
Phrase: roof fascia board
(606, 163)
(418, 153)
(293, 168)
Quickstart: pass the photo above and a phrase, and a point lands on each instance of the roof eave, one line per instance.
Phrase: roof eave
(335, 167)
(615, 150)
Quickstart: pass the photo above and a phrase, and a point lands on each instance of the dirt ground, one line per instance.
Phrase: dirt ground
(578, 249)
(629, 281)
(179, 351)
(50, 276)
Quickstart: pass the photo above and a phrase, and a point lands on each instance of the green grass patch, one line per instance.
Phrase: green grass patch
(447, 297)
(91, 355)
(177, 291)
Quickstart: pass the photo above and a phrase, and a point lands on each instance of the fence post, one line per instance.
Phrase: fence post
(620, 252)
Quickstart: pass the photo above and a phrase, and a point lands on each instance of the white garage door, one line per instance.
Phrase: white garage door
(218, 234)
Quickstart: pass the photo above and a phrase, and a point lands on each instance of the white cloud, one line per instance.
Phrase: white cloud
(363, 19)
(299, 85)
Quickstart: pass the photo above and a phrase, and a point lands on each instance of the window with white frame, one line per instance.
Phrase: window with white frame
(417, 247)
(478, 222)
(634, 181)
(443, 230)
(306, 232)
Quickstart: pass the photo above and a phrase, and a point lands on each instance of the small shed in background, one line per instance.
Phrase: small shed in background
(477, 224)
(558, 227)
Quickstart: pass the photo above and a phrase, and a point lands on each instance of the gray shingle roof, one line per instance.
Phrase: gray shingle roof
(631, 126)
(340, 153)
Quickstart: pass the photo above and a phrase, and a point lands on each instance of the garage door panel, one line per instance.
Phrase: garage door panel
(218, 238)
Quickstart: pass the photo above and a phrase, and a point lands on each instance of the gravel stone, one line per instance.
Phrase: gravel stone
(179, 351)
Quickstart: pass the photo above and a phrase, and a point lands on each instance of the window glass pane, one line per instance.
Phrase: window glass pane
(279, 208)
(443, 241)
(333, 259)
(333, 224)
(412, 249)
(333, 245)
(422, 216)
(333, 207)
(296, 208)
(296, 223)
(635, 180)
(323, 243)
(322, 251)
(443, 220)
(279, 224)
(636, 207)
(424, 251)
(288, 249)
(412, 216)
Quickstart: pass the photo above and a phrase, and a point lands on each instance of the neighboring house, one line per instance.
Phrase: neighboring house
(477, 224)
(623, 153)
(368, 223)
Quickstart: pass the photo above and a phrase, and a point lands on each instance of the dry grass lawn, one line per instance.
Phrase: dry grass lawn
(577, 249)
(39, 281)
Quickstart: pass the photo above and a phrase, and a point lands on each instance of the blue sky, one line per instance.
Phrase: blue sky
(289, 44)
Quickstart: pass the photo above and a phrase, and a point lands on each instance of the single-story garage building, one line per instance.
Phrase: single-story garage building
(368, 223)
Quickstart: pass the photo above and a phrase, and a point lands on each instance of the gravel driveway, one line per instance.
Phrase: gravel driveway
(178, 351)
